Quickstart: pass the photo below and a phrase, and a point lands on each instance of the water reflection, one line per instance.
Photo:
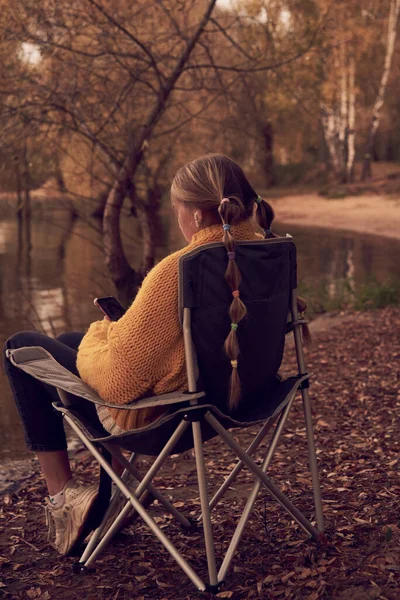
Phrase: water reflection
(338, 255)
(50, 287)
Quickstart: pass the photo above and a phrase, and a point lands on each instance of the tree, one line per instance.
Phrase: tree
(116, 94)
(380, 98)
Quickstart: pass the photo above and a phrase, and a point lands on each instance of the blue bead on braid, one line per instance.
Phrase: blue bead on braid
(226, 227)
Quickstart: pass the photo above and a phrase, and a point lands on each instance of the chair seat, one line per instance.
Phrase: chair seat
(152, 438)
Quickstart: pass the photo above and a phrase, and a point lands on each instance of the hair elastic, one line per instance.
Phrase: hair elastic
(226, 227)
(268, 231)
(258, 200)
(234, 326)
(234, 364)
(225, 200)
(236, 293)
(231, 255)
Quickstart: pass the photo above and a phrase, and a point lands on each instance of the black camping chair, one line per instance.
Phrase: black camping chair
(268, 289)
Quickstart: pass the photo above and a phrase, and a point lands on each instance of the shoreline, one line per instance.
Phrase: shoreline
(371, 215)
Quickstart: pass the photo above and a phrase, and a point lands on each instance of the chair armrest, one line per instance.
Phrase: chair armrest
(292, 324)
(40, 364)
(163, 399)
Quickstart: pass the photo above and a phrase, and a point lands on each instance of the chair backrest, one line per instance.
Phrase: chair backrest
(268, 270)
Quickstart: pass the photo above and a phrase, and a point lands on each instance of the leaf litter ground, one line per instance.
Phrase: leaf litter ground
(356, 406)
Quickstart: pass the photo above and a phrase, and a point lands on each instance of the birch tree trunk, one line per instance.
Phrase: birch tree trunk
(351, 152)
(377, 109)
(343, 111)
(338, 117)
(330, 134)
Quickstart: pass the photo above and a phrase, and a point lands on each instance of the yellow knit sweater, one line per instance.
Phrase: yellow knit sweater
(142, 354)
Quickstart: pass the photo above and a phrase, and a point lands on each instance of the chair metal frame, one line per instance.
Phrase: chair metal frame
(192, 416)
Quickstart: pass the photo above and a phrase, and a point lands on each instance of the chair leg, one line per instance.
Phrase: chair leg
(100, 529)
(312, 457)
(253, 494)
(192, 575)
(308, 418)
(239, 466)
(205, 509)
(139, 490)
(271, 487)
(151, 489)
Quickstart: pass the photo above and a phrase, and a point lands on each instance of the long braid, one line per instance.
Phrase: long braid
(229, 210)
(265, 215)
(216, 187)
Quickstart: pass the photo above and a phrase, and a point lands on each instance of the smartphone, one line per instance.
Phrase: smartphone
(110, 307)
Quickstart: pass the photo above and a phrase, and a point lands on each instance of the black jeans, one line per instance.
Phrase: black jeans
(44, 430)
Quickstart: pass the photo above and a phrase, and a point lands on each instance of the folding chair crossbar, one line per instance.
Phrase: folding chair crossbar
(268, 483)
(127, 509)
(200, 585)
(240, 464)
(254, 492)
(150, 487)
(100, 529)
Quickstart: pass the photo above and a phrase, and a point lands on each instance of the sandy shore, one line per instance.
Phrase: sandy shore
(379, 215)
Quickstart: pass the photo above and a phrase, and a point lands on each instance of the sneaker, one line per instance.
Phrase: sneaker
(67, 522)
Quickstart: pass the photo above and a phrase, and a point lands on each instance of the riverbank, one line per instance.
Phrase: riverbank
(377, 215)
(356, 406)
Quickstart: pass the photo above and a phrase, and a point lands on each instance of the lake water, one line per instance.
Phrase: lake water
(51, 286)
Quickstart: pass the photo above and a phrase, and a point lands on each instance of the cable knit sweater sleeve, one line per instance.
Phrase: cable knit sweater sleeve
(125, 360)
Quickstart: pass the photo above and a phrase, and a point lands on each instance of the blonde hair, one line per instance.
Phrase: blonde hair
(215, 183)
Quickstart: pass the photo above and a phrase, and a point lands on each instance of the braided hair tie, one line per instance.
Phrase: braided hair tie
(226, 227)
(234, 364)
(236, 293)
(234, 326)
(231, 255)
(258, 200)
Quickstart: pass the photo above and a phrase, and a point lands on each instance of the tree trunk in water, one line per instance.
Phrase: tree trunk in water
(376, 112)
(58, 174)
(18, 187)
(148, 216)
(269, 167)
(125, 278)
(98, 212)
(67, 232)
(26, 177)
